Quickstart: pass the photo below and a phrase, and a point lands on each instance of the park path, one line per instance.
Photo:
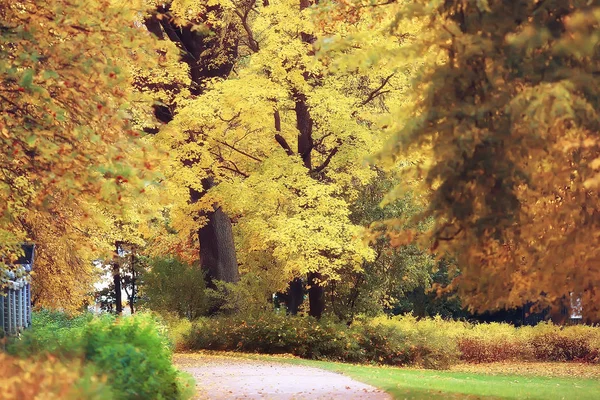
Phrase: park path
(224, 377)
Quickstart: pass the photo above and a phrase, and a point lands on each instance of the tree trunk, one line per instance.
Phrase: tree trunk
(207, 56)
(117, 283)
(294, 296)
(316, 295)
(133, 282)
(217, 248)
(304, 123)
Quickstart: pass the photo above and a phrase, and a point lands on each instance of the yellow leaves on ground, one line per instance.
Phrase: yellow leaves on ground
(553, 369)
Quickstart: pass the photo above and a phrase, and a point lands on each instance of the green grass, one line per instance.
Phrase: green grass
(427, 384)
(406, 383)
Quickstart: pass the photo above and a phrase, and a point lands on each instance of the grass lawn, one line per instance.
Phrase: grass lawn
(426, 384)
(410, 383)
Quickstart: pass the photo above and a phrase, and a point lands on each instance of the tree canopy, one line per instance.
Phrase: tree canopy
(506, 103)
(71, 154)
(299, 146)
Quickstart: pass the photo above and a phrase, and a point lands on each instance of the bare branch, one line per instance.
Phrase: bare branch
(379, 90)
(239, 151)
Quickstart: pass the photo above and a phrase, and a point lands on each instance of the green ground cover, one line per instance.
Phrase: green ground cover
(426, 384)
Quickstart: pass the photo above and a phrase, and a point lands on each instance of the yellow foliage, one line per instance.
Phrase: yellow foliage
(71, 158)
(510, 117)
(289, 218)
(49, 379)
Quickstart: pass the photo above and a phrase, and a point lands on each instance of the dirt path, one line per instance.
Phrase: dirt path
(238, 378)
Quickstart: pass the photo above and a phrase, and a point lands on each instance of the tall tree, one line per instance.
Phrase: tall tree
(507, 103)
(205, 54)
(286, 136)
(68, 143)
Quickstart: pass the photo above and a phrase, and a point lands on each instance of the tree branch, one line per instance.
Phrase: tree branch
(230, 119)
(252, 43)
(277, 118)
(379, 90)
(283, 143)
(237, 171)
(239, 151)
(450, 237)
(326, 162)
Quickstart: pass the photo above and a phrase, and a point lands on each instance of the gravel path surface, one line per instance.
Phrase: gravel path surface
(237, 378)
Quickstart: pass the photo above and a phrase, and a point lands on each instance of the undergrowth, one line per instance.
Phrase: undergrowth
(133, 352)
(406, 341)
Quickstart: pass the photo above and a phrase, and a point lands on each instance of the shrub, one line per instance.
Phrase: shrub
(177, 329)
(493, 342)
(49, 378)
(482, 351)
(555, 346)
(544, 342)
(429, 342)
(135, 355)
(134, 352)
(53, 333)
(170, 285)
(375, 341)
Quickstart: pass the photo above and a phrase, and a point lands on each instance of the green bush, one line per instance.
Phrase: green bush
(272, 333)
(172, 286)
(53, 333)
(135, 355)
(133, 352)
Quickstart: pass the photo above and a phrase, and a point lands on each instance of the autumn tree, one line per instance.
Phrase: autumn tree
(395, 271)
(506, 102)
(191, 55)
(68, 143)
(282, 137)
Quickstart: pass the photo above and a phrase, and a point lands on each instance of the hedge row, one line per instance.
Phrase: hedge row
(430, 343)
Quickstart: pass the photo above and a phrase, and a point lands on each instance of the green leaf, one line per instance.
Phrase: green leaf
(49, 75)
(27, 79)
(31, 140)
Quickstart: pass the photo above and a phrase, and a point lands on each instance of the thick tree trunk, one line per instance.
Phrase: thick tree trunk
(304, 123)
(316, 295)
(294, 297)
(207, 56)
(217, 248)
